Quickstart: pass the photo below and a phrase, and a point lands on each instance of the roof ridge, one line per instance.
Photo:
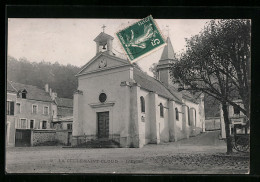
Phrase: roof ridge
(28, 85)
(170, 91)
(10, 82)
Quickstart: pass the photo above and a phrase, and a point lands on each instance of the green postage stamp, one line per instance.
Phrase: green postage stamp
(141, 38)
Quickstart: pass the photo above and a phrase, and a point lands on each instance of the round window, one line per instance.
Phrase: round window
(102, 97)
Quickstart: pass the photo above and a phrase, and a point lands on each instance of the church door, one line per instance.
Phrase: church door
(103, 124)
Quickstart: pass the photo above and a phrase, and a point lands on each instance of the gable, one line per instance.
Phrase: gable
(102, 62)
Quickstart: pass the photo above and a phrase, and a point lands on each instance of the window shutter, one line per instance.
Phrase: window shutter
(11, 108)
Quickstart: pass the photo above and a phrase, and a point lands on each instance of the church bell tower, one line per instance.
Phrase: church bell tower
(104, 42)
(163, 67)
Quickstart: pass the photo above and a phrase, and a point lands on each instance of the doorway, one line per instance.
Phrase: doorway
(23, 138)
(103, 124)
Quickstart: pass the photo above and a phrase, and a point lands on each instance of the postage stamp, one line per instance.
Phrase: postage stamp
(141, 38)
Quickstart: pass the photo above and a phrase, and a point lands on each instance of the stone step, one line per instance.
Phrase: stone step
(100, 144)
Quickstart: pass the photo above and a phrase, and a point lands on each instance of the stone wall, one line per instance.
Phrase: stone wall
(62, 137)
(41, 137)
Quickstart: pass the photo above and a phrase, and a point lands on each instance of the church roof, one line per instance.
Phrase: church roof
(168, 52)
(149, 83)
(103, 37)
(124, 61)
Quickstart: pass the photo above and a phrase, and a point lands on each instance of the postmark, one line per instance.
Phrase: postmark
(140, 38)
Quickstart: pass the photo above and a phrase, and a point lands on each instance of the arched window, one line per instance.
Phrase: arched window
(195, 119)
(142, 104)
(161, 110)
(177, 114)
(236, 110)
(188, 110)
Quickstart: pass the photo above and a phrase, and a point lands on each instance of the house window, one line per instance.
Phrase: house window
(10, 108)
(44, 124)
(142, 104)
(236, 110)
(31, 124)
(69, 126)
(34, 109)
(161, 110)
(46, 110)
(24, 92)
(23, 124)
(18, 108)
(177, 114)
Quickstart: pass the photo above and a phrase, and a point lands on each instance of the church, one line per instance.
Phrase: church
(116, 101)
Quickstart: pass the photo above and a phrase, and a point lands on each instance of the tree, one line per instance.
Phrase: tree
(60, 78)
(217, 62)
(153, 69)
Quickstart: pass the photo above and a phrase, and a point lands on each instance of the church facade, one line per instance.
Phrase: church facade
(117, 101)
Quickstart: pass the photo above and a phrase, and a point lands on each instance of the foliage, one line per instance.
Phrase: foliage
(153, 69)
(217, 62)
(59, 77)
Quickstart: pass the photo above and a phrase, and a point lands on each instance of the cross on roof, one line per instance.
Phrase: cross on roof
(167, 29)
(103, 28)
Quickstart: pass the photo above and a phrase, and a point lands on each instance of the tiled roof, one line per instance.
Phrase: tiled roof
(183, 94)
(102, 37)
(33, 92)
(149, 83)
(64, 111)
(64, 102)
(10, 88)
(173, 89)
(168, 52)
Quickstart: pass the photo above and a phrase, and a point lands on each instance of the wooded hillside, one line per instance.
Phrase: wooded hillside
(59, 77)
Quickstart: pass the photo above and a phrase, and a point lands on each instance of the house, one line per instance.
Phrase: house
(116, 101)
(64, 107)
(236, 117)
(28, 108)
(64, 120)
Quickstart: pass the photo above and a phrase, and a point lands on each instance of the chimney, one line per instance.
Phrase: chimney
(46, 87)
(53, 95)
(50, 91)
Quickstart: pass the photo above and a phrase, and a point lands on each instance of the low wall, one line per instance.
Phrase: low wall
(78, 140)
(195, 131)
(212, 124)
(62, 137)
(41, 137)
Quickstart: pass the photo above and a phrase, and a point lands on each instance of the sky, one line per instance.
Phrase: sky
(70, 41)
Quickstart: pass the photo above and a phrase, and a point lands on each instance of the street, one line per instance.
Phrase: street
(204, 154)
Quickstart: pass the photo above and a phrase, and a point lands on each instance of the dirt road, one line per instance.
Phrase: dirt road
(204, 154)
